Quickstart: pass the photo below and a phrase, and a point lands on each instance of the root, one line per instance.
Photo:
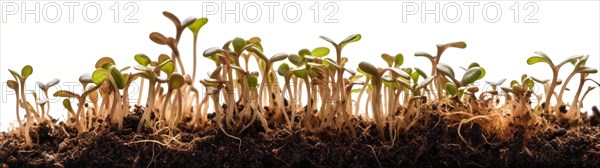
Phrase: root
(487, 117)
(149, 140)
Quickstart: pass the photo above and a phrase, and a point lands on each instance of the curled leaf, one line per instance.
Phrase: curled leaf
(103, 61)
(197, 25)
(388, 59)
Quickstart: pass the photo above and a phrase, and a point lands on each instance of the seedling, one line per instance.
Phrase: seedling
(44, 88)
(26, 71)
(435, 60)
(376, 76)
(542, 57)
(195, 28)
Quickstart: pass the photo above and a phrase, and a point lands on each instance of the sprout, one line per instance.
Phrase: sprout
(164, 64)
(195, 28)
(376, 76)
(435, 60)
(474, 73)
(340, 73)
(542, 57)
(44, 88)
(26, 71)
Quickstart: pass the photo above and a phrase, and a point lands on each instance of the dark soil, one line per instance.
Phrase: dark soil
(432, 145)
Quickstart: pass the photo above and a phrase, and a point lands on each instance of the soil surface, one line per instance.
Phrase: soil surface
(434, 144)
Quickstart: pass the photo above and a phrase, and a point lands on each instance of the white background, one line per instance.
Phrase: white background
(65, 49)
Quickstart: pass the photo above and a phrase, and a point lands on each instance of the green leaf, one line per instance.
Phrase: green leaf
(283, 69)
(350, 39)
(529, 83)
(424, 83)
(301, 73)
(26, 71)
(176, 81)
(320, 52)
(99, 76)
(423, 54)
(158, 38)
(388, 59)
(142, 59)
(252, 81)
(415, 76)
(368, 68)
(356, 90)
(103, 61)
(446, 70)
(238, 44)
(399, 72)
(332, 63)
(66, 94)
(398, 60)
(278, 57)
(474, 64)
(355, 78)
(197, 25)
(304, 52)
(259, 53)
(537, 59)
(168, 68)
(296, 60)
(119, 78)
(471, 76)
(13, 85)
(421, 72)
(450, 88)
(482, 73)
(67, 105)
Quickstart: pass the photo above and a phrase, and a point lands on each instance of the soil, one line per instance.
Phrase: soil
(434, 144)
